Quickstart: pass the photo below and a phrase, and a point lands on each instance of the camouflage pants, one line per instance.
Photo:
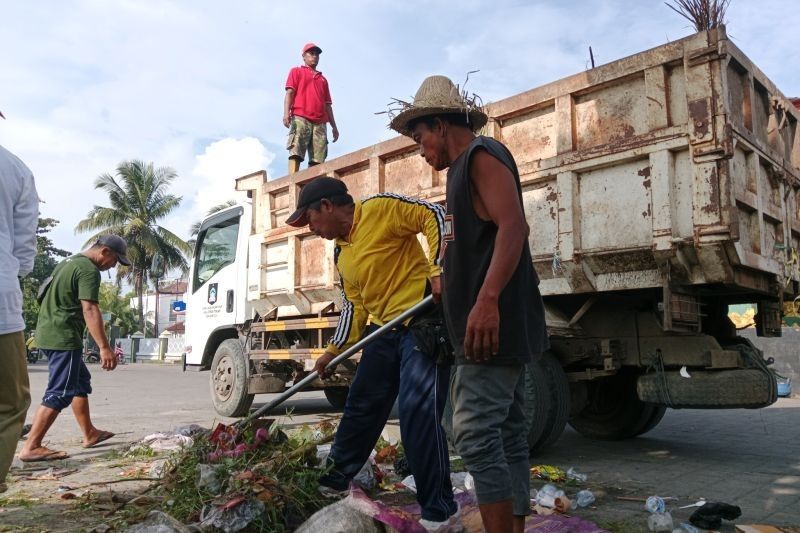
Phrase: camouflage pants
(306, 136)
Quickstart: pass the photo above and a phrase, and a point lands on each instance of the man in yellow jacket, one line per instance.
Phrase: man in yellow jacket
(384, 272)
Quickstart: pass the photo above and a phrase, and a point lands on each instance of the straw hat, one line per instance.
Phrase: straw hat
(438, 96)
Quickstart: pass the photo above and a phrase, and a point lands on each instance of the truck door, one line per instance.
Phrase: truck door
(213, 299)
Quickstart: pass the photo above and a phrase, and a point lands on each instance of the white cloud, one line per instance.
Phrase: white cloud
(222, 162)
(198, 86)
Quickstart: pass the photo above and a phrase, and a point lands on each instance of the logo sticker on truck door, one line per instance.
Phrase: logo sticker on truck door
(212, 293)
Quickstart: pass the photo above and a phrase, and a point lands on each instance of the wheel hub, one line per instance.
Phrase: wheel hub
(224, 378)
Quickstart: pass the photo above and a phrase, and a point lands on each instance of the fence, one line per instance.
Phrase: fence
(169, 349)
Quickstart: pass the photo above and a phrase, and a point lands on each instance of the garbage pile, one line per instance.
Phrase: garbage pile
(708, 515)
(253, 477)
(550, 499)
(259, 478)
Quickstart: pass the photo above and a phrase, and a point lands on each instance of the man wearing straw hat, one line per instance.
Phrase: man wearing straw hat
(492, 304)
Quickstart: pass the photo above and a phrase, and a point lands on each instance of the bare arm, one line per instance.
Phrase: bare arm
(288, 101)
(94, 323)
(332, 120)
(495, 198)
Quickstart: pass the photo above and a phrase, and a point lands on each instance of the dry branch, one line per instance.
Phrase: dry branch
(704, 14)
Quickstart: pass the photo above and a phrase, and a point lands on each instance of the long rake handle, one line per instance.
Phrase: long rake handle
(303, 383)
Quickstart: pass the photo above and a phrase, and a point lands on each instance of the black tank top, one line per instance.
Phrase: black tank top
(468, 247)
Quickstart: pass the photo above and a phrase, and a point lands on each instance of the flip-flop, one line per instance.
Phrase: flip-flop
(103, 436)
(49, 456)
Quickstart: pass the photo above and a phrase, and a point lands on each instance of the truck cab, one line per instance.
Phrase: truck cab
(250, 342)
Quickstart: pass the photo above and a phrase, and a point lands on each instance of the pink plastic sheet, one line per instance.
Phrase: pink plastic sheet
(406, 519)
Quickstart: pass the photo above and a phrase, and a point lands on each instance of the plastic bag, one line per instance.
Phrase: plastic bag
(584, 498)
(659, 522)
(208, 479)
(366, 476)
(233, 518)
(157, 468)
(577, 476)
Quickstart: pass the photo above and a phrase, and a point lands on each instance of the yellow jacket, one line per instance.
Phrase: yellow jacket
(382, 265)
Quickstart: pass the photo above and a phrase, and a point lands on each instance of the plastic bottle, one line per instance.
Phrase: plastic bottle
(659, 522)
(548, 494)
(655, 504)
(584, 498)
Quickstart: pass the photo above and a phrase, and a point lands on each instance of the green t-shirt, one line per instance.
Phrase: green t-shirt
(61, 323)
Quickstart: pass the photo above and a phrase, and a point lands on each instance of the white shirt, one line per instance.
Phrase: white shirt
(19, 218)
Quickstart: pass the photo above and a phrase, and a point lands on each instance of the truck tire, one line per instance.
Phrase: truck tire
(337, 396)
(655, 419)
(537, 402)
(229, 375)
(613, 410)
(556, 413)
(744, 388)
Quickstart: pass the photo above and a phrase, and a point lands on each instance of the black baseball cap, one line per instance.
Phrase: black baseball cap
(314, 191)
(118, 245)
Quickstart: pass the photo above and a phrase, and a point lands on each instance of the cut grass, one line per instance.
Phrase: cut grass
(19, 500)
(281, 473)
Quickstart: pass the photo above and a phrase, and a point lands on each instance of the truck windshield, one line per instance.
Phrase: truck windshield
(216, 250)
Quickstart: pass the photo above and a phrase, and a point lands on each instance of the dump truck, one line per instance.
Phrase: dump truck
(659, 190)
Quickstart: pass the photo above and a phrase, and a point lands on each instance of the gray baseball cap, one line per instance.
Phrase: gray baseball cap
(116, 243)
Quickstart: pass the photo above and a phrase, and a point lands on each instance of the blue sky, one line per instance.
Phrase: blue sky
(198, 85)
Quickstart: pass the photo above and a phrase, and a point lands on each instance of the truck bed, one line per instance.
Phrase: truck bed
(677, 166)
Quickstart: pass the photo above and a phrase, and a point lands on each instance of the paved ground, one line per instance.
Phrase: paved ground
(747, 458)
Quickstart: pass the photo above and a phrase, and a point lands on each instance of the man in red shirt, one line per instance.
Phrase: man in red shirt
(306, 111)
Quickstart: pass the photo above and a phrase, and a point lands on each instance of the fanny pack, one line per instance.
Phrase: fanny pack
(430, 333)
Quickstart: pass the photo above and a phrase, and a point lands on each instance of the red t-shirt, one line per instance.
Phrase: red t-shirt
(311, 93)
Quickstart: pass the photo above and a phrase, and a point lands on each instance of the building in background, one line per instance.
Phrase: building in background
(164, 309)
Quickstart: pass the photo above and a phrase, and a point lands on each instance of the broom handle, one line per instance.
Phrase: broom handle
(303, 383)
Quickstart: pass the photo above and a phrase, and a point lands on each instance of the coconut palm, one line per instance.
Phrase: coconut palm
(194, 229)
(139, 198)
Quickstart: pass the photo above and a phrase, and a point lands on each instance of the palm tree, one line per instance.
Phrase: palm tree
(139, 198)
(194, 229)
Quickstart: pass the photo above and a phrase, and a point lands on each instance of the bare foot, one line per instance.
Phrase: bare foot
(41, 453)
(97, 436)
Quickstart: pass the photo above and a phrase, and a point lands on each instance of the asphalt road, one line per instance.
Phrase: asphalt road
(747, 458)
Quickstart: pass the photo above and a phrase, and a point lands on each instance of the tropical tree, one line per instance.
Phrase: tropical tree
(119, 307)
(139, 199)
(194, 229)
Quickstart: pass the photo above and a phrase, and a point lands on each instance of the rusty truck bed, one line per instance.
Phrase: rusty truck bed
(675, 165)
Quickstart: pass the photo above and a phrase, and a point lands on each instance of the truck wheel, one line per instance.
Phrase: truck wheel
(613, 410)
(229, 374)
(337, 396)
(557, 412)
(655, 418)
(537, 402)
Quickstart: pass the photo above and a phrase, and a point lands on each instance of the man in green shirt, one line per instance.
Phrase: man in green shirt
(68, 305)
